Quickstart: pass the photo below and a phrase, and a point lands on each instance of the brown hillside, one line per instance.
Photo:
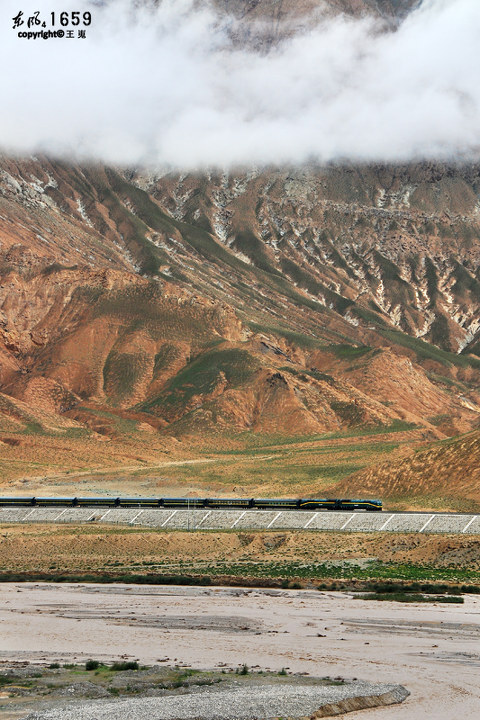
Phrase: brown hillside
(446, 473)
(280, 303)
(116, 339)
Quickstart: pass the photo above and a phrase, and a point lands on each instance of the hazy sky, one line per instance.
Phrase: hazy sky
(167, 87)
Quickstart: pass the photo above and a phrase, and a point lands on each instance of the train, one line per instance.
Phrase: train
(194, 502)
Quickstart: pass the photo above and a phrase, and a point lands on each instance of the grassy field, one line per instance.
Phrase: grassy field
(273, 469)
(30, 448)
(138, 462)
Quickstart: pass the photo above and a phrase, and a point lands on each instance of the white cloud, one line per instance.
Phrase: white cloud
(166, 86)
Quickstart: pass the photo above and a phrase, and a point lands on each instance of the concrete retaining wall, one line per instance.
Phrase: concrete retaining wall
(250, 519)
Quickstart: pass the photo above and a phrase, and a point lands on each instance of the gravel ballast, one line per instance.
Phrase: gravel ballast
(296, 701)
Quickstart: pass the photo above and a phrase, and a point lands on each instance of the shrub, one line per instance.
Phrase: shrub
(7, 679)
(409, 597)
(91, 664)
(128, 665)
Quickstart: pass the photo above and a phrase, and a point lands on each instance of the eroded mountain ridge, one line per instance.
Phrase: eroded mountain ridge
(283, 301)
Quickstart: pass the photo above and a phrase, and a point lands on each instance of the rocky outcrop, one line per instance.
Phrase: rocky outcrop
(392, 697)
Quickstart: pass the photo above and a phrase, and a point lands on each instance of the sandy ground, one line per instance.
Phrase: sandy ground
(433, 650)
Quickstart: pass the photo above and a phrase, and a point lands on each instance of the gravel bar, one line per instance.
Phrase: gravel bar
(295, 701)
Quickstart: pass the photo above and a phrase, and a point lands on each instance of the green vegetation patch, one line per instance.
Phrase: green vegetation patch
(394, 427)
(202, 375)
(305, 280)
(346, 572)
(373, 318)
(305, 374)
(464, 282)
(57, 267)
(104, 418)
(121, 372)
(390, 271)
(425, 351)
(410, 598)
(248, 244)
(348, 412)
(432, 281)
(131, 226)
(29, 684)
(349, 352)
(300, 339)
(140, 303)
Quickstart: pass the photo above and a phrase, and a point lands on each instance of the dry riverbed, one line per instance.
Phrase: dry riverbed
(433, 650)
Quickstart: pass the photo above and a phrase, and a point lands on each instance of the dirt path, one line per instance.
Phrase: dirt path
(433, 650)
(117, 468)
(109, 470)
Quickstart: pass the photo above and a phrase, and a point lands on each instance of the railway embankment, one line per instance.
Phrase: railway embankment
(168, 519)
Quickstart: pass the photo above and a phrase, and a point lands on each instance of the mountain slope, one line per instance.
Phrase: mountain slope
(445, 475)
(271, 302)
